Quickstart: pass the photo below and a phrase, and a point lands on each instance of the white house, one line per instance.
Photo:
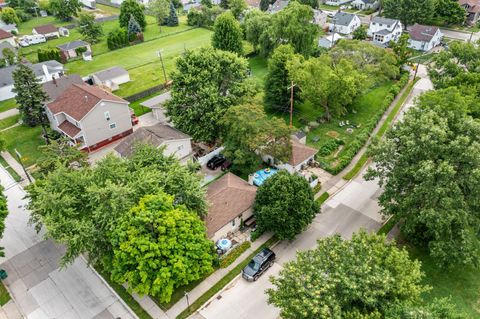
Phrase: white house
(176, 143)
(329, 41)
(89, 116)
(302, 155)
(44, 72)
(365, 4)
(91, 4)
(10, 28)
(384, 30)
(70, 50)
(157, 105)
(345, 23)
(7, 37)
(111, 78)
(319, 18)
(337, 2)
(424, 38)
(48, 30)
(230, 201)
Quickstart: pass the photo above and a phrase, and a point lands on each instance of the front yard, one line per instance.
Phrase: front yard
(26, 140)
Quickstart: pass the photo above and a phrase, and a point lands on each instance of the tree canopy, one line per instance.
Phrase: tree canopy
(205, 84)
(358, 278)
(172, 19)
(237, 7)
(81, 207)
(284, 204)
(3, 216)
(429, 168)
(9, 16)
(160, 246)
(60, 153)
(249, 133)
(450, 11)
(91, 30)
(254, 23)
(227, 34)
(160, 10)
(130, 8)
(409, 11)
(65, 9)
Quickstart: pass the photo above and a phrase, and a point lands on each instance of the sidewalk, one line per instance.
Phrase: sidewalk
(15, 165)
(9, 113)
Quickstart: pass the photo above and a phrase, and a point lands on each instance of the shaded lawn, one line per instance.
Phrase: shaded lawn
(462, 284)
(366, 105)
(9, 121)
(259, 67)
(26, 140)
(8, 105)
(139, 109)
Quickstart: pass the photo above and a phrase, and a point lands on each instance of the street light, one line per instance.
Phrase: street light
(159, 54)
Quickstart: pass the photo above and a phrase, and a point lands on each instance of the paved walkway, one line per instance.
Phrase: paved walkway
(9, 113)
(15, 165)
(37, 284)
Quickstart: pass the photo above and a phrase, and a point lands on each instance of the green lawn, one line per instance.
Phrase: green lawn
(461, 284)
(141, 60)
(4, 295)
(365, 106)
(9, 121)
(26, 140)
(259, 67)
(7, 105)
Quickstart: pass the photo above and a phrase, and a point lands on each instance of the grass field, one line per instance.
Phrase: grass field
(259, 67)
(9, 121)
(7, 105)
(461, 284)
(26, 140)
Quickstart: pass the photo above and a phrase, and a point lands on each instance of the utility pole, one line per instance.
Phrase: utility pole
(19, 156)
(188, 302)
(291, 103)
(159, 53)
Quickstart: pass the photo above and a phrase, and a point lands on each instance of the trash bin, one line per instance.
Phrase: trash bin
(3, 274)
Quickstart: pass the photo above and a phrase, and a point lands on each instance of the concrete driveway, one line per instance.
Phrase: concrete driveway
(353, 208)
(39, 287)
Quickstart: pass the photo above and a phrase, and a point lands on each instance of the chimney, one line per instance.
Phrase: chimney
(45, 71)
(86, 98)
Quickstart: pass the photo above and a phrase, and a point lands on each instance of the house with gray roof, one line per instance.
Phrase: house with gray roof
(111, 78)
(44, 71)
(384, 30)
(73, 49)
(424, 37)
(7, 45)
(365, 4)
(174, 142)
(157, 105)
(56, 86)
(345, 23)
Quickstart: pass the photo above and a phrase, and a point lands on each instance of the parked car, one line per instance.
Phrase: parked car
(28, 40)
(226, 165)
(216, 161)
(258, 265)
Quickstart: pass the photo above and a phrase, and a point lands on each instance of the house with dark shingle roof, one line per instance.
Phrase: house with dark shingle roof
(472, 9)
(424, 37)
(383, 30)
(48, 30)
(175, 142)
(72, 49)
(365, 4)
(89, 116)
(7, 37)
(230, 200)
(58, 85)
(345, 23)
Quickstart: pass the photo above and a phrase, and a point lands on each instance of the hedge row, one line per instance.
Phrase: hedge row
(234, 254)
(354, 147)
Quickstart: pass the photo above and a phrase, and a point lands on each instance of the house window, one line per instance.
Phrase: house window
(107, 115)
(113, 125)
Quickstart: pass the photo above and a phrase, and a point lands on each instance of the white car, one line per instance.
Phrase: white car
(27, 40)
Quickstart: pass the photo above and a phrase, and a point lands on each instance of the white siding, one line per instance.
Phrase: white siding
(229, 227)
(179, 148)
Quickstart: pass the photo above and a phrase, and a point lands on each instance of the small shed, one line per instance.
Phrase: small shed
(157, 105)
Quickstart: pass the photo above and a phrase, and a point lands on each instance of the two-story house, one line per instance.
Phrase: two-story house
(89, 116)
(346, 23)
(383, 30)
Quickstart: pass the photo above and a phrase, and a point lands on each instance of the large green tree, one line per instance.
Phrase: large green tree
(249, 133)
(3, 216)
(429, 169)
(160, 10)
(65, 9)
(81, 207)
(402, 50)
(278, 80)
(237, 7)
(285, 205)
(227, 34)
(91, 30)
(205, 84)
(30, 97)
(130, 8)
(8, 15)
(409, 11)
(172, 19)
(450, 11)
(358, 278)
(59, 153)
(254, 23)
(438, 309)
(328, 85)
(293, 26)
(160, 246)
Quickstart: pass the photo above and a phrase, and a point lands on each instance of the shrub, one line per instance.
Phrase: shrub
(329, 147)
(117, 39)
(79, 51)
(47, 54)
(234, 254)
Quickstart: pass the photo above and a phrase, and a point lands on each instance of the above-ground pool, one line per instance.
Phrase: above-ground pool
(262, 175)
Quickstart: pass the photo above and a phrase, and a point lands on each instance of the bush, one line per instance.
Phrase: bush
(79, 51)
(117, 39)
(234, 254)
(254, 235)
(331, 146)
(22, 15)
(47, 54)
